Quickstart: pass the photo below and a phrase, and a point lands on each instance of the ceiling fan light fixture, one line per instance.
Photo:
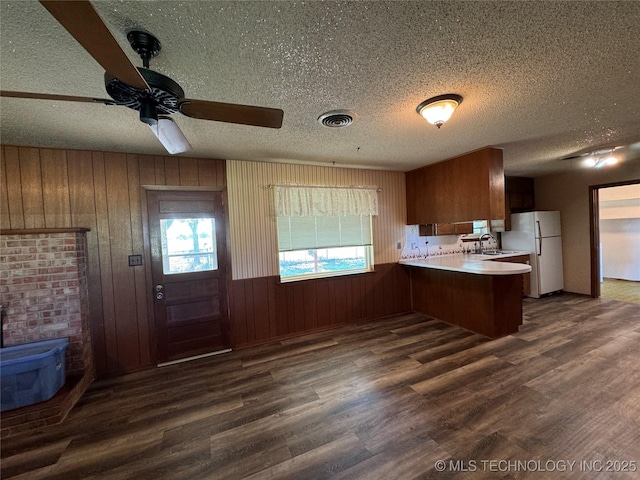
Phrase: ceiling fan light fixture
(170, 135)
(148, 112)
(437, 110)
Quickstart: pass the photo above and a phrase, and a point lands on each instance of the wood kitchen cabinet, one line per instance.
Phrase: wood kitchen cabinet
(526, 277)
(462, 189)
(490, 305)
(519, 197)
(433, 229)
(520, 194)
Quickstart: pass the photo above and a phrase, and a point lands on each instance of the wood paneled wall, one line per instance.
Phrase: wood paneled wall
(47, 188)
(102, 191)
(263, 309)
(252, 218)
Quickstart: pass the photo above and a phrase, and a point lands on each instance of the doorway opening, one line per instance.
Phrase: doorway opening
(615, 235)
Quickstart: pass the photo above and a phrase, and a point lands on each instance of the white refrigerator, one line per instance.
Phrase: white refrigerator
(538, 233)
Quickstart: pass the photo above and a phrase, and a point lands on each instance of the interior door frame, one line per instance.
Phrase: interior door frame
(153, 333)
(594, 228)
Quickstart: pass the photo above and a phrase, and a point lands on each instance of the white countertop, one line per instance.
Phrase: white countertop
(473, 263)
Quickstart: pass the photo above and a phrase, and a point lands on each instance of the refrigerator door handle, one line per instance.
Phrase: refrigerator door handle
(539, 238)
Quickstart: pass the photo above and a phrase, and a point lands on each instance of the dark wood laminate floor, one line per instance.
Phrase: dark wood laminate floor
(382, 400)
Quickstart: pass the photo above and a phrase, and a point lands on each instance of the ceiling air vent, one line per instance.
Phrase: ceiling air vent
(337, 118)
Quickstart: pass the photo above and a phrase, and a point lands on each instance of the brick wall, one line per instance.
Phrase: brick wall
(43, 288)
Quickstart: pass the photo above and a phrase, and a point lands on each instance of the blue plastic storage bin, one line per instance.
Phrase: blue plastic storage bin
(32, 372)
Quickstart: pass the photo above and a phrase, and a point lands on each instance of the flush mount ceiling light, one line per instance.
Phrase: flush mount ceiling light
(438, 110)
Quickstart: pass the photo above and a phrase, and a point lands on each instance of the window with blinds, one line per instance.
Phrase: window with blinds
(320, 245)
(301, 233)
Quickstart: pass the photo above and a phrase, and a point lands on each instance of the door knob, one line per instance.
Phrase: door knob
(159, 295)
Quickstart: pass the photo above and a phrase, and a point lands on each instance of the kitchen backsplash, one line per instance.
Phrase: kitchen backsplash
(416, 246)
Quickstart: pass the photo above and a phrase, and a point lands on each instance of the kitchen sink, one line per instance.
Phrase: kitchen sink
(497, 252)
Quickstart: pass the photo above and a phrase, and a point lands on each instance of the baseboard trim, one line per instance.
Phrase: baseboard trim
(196, 357)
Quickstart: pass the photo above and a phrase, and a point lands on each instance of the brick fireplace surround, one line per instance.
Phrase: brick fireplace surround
(43, 289)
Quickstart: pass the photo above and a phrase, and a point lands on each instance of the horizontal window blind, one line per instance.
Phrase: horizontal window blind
(300, 233)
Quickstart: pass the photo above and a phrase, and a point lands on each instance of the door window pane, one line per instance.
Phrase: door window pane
(188, 245)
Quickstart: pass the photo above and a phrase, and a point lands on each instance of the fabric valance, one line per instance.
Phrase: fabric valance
(306, 201)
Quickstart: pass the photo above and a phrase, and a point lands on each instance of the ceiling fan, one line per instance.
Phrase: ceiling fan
(153, 95)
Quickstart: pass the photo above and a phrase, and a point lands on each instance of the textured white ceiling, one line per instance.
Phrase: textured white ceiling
(541, 80)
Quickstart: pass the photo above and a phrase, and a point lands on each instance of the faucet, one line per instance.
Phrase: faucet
(484, 236)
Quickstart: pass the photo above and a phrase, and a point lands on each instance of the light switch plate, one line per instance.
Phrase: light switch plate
(135, 260)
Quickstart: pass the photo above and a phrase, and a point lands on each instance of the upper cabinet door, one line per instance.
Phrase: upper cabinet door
(462, 189)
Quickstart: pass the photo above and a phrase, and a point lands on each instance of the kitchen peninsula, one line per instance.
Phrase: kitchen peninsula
(471, 291)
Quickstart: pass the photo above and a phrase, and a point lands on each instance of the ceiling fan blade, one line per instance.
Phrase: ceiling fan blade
(232, 113)
(82, 21)
(47, 96)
